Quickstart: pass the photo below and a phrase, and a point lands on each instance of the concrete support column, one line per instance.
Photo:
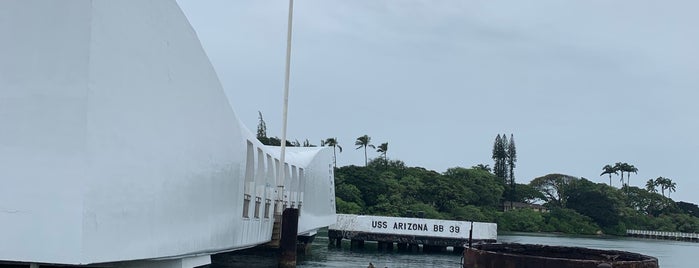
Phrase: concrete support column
(338, 242)
(287, 245)
(356, 244)
(304, 248)
(305, 242)
(433, 249)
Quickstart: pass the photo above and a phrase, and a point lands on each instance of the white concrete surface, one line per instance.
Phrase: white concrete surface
(117, 141)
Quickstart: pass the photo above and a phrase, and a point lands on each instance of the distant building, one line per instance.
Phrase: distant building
(507, 206)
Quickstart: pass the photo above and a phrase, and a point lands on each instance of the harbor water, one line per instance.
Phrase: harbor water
(670, 254)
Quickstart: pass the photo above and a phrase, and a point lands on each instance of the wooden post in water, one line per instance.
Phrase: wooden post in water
(402, 246)
(287, 245)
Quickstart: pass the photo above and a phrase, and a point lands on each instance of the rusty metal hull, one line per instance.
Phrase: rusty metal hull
(541, 256)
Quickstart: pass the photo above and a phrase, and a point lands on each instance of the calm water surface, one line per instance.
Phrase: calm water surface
(671, 254)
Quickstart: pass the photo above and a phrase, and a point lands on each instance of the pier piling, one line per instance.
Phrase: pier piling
(287, 245)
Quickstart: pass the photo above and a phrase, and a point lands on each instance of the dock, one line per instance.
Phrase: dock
(689, 237)
(409, 234)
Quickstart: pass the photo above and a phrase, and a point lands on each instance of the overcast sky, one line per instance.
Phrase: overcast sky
(580, 84)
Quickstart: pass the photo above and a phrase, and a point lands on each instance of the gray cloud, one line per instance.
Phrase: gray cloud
(580, 83)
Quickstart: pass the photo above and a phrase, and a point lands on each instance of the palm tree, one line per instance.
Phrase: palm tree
(651, 186)
(620, 167)
(666, 184)
(485, 167)
(662, 182)
(332, 142)
(607, 169)
(671, 187)
(625, 167)
(382, 149)
(364, 141)
(629, 169)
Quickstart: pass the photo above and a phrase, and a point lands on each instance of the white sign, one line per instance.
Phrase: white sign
(415, 226)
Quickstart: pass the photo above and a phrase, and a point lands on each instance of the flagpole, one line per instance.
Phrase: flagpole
(285, 107)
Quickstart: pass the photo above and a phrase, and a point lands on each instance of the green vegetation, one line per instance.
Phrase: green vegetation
(276, 141)
(567, 204)
(575, 205)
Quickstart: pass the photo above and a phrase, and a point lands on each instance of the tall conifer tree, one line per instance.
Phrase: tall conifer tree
(511, 159)
(499, 156)
(262, 130)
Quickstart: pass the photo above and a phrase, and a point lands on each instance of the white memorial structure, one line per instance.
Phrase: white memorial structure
(118, 144)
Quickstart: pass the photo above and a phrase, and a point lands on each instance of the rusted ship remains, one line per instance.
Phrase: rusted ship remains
(542, 256)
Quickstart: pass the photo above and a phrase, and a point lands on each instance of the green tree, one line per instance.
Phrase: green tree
(486, 188)
(522, 220)
(625, 167)
(688, 208)
(671, 187)
(619, 167)
(333, 142)
(666, 184)
(383, 149)
(499, 157)
(607, 169)
(629, 169)
(511, 160)
(652, 186)
(359, 177)
(364, 141)
(569, 221)
(349, 193)
(262, 130)
(663, 183)
(276, 141)
(595, 201)
(343, 206)
(647, 203)
(307, 143)
(526, 194)
(553, 187)
(472, 213)
(482, 167)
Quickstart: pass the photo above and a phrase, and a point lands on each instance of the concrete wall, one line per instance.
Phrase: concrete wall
(117, 141)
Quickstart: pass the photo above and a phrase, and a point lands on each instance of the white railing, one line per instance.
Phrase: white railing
(660, 234)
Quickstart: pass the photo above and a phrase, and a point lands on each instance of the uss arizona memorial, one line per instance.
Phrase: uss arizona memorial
(118, 144)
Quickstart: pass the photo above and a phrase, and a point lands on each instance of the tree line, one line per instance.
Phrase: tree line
(570, 204)
(614, 210)
(362, 142)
